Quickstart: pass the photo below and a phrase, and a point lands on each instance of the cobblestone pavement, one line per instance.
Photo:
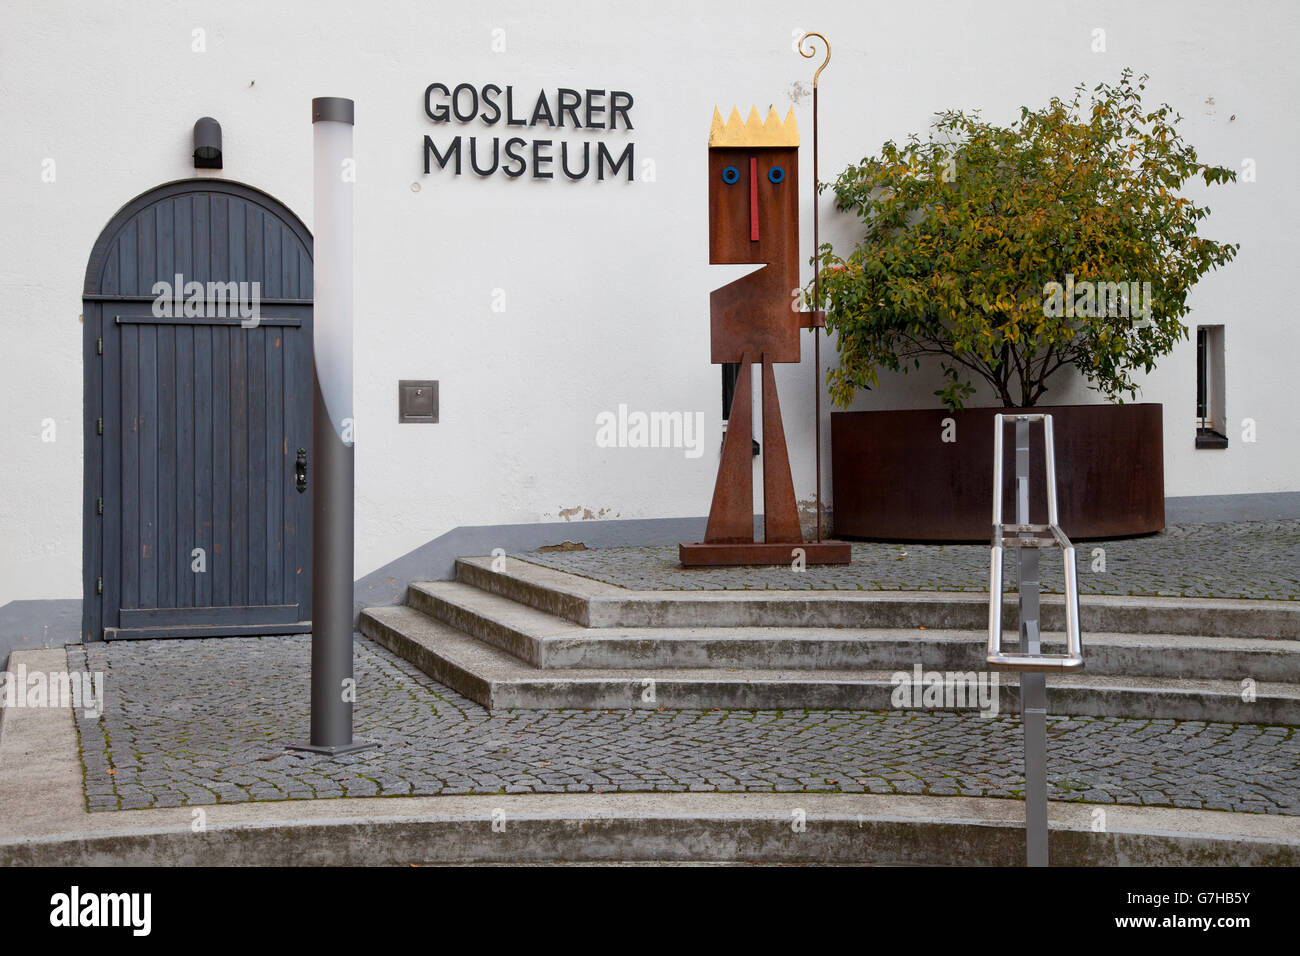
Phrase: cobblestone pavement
(1253, 559)
(206, 721)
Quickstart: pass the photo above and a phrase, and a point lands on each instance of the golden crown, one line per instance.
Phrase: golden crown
(753, 132)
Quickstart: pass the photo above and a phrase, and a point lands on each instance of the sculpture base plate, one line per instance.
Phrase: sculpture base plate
(731, 554)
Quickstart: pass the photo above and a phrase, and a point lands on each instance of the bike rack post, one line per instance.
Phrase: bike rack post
(1032, 664)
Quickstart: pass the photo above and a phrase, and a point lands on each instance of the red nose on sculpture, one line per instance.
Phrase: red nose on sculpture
(753, 199)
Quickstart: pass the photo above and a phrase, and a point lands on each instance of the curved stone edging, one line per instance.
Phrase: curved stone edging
(677, 828)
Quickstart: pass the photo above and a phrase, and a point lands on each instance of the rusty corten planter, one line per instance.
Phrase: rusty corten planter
(894, 478)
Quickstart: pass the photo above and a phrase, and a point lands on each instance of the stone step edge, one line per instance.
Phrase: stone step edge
(592, 603)
(494, 679)
(536, 637)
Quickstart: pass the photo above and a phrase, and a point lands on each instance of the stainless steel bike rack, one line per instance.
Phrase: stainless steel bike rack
(1028, 536)
(1034, 665)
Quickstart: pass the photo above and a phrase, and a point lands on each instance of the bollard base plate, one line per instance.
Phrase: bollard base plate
(332, 750)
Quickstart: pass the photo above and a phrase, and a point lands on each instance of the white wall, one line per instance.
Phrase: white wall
(606, 283)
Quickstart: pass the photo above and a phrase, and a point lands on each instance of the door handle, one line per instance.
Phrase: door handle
(300, 471)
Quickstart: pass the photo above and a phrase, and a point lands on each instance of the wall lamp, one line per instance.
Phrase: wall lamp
(207, 144)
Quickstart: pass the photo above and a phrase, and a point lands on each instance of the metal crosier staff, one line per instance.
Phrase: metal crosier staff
(819, 315)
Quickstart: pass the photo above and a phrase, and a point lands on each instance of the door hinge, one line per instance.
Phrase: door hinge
(99, 585)
(99, 506)
(99, 347)
(99, 426)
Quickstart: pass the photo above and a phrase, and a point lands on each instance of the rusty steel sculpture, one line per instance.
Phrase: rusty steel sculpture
(754, 218)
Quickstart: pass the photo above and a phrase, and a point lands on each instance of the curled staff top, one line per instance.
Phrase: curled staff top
(207, 230)
(333, 109)
(812, 51)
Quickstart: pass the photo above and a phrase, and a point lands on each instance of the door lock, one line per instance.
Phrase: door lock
(300, 471)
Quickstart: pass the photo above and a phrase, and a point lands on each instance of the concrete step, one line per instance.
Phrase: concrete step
(657, 828)
(496, 679)
(593, 603)
(550, 642)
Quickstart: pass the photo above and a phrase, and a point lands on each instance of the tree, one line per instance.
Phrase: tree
(1013, 252)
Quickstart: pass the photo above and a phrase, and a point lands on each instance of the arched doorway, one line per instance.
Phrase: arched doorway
(198, 397)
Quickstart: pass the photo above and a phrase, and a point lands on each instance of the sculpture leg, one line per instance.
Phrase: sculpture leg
(731, 516)
(781, 516)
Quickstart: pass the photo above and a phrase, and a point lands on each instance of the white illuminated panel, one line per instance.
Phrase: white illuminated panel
(332, 197)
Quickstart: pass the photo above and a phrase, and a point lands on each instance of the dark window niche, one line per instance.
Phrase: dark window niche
(730, 373)
(1211, 419)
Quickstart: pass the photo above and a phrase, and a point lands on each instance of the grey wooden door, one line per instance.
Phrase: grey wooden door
(195, 522)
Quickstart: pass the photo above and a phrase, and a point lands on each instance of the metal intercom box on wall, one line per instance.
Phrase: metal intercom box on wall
(417, 401)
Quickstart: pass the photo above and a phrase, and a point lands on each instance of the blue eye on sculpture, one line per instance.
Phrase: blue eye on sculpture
(730, 175)
(776, 174)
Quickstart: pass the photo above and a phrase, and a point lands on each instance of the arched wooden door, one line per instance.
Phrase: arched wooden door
(197, 413)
